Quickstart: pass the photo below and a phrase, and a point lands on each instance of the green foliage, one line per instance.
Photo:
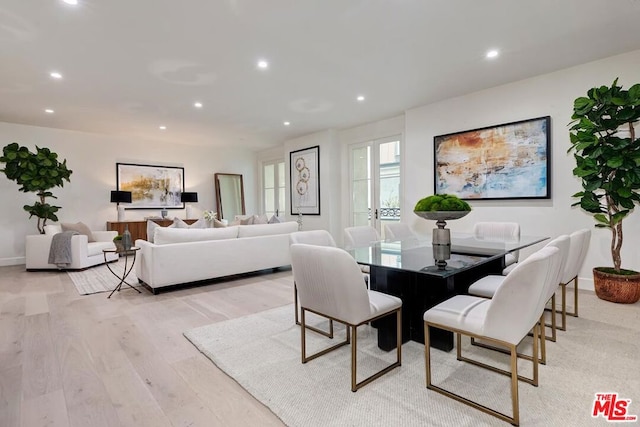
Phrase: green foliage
(35, 172)
(607, 161)
(442, 202)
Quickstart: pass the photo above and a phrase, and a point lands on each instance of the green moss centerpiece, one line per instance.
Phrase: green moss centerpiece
(441, 208)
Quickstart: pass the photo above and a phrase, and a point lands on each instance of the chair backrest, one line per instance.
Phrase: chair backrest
(312, 237)
(498, 231)
(577, 252)
(561, 242)
(501, 231)
(360, 236)
(397, 231)
(329, 282)
(515, 306)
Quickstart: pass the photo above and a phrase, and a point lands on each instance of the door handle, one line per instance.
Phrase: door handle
(376, 213)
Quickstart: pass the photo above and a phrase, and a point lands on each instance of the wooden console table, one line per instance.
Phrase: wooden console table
(138, 229)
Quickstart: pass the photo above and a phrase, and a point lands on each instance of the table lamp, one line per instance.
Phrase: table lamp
(189, 197)
(120, 197)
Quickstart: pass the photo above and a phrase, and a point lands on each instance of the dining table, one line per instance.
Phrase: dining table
(409, 270)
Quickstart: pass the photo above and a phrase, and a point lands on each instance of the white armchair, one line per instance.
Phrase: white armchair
(83, 253)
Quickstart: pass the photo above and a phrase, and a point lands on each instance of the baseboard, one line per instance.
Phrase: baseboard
(4, 262)
(585, 283)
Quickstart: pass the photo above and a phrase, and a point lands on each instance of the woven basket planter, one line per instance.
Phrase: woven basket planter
(623, 289)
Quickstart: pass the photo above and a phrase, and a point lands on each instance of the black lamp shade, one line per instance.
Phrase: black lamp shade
(189, 197)
(121, 197)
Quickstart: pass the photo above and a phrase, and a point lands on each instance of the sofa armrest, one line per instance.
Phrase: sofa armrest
(38, 245)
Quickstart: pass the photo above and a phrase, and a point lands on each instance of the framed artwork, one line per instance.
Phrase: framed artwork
(152, 187)
(508, 161)
(304, 169)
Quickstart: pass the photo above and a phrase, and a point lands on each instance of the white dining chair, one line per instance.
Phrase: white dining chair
(504, 320)
(318, 238)
(397, 231)
(488, 286)
(330, 285)
(578, 249)
(499, 232)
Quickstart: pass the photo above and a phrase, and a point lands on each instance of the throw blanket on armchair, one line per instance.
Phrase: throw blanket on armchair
(60, 250)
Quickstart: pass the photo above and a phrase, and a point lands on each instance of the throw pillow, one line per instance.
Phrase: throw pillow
(218, 224)
(247, 221)
(151, 230)
(260, 219)
(80, 228)
(274, 220)
(178, 223)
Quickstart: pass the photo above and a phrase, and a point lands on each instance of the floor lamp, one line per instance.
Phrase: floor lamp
(189, 197)
(120, 197)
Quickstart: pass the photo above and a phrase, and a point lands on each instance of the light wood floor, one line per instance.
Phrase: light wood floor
(71, 360)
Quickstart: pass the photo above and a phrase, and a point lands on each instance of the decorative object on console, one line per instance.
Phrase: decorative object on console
(189, 197)
(304, 166)
(606, 149)
(120, 197)
(36, 172)
(126, 239)
(152, 187)
(441, 208)
(508, 161)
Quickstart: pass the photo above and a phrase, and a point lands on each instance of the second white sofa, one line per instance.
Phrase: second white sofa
(181, 256)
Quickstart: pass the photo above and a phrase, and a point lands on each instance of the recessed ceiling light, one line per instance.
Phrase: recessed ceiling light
(286, 123)
(360, 98)
(73, 2)
(49, 111)
(55, 75)
(163, 128)
(262, 64)
(197, 104)
(492, 53)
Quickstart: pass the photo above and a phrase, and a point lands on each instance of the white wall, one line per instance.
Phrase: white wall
(93, 159)
(329, 218)
(551, 94)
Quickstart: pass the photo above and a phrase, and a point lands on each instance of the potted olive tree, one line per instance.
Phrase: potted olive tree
(607, 154)
(36, 172)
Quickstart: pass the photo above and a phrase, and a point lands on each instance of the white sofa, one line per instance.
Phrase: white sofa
(182, 256)
(83, 253)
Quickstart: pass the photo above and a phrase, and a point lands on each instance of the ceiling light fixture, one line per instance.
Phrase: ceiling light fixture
(286, 123)
(492, 54)
(72, 2)
(360, 98)
(49, 111)
(55, 75)
(163, 128)
(197, 104)
(262, 64)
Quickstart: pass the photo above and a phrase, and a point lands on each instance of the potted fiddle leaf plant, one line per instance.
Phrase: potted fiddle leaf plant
(38, 173)
(607, 153)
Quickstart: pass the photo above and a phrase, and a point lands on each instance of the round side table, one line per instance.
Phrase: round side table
(129, 255)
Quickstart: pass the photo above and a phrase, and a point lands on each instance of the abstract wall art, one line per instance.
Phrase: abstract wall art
(507, 161)
(305, 181)
(151, 187)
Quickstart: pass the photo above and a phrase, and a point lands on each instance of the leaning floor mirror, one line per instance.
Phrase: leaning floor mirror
(229, 195)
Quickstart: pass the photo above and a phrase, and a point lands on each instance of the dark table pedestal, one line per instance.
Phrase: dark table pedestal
(419, 292)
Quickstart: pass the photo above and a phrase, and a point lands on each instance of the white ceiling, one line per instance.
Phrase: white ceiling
(130, 66)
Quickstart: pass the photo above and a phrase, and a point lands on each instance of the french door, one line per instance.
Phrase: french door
(273, 188)
(374, 170)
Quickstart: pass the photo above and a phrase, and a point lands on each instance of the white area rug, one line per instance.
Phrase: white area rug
(262, 353)
(99, 279)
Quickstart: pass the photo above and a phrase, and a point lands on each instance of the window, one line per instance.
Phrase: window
(273, 191)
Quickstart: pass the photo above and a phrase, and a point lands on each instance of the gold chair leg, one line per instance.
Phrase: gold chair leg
(513, 373)
(303, 341)
(328, 334)
(355, 386)
(553, 321)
